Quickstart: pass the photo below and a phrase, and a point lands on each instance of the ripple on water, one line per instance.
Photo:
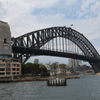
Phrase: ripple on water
(85, 88)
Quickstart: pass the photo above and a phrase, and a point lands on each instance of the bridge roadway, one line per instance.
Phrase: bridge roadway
(33, 52)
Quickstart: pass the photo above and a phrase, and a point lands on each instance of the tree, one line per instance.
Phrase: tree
(54, 67)
(33, 68)
(30, 68)
(41, 66)
(24, 68)
(63, 68)
(36, 68)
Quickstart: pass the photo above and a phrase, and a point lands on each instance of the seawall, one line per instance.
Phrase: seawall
(44, 79)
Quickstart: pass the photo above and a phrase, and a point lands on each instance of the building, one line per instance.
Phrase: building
(8, 65)
(74, 63)
(48, 67)
(36, 61)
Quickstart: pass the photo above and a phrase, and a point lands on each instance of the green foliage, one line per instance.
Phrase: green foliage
(54, 66)
(42, 67)
(32, 68)
(63, 68)
(71, 69)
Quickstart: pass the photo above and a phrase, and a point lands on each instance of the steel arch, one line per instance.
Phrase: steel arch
(36, 39)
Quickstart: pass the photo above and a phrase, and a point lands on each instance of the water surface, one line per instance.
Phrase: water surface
(85, 88)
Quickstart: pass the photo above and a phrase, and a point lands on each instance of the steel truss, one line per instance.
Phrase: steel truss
(30, 44)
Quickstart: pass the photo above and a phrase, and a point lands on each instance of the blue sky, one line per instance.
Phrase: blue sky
(25, 16)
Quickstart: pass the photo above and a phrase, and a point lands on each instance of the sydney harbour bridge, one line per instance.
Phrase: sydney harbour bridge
(56, 41)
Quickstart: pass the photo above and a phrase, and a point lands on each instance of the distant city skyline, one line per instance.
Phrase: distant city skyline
(46, 59)
(74, 63)
(51, 59)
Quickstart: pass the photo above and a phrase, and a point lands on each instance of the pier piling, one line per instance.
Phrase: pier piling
(56, 82)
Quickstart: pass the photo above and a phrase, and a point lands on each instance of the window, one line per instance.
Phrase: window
(15, 60)
(1, 56)
(8, 73)
(8, 61)
(17, 69)
(17, 65)
(2, 69)
(4, 56)
(5, 40)
(13, 65)
(8, 69)
(1, 60)
(2, 65)
(8, 65)
(13, 73)
(2, 73)
(18, 73)
(14, 69)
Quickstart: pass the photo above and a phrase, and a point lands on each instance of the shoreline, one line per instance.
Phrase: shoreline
(44, 79)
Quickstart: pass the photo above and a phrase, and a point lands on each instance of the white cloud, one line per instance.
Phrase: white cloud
(18, 14)
(26, 5)
(80, 14)
(85, 9)
(86, 3)
(89, 27)
(26, 23)
(95, 8)
(70, 2)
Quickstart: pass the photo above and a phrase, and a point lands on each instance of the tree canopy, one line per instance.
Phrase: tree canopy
(32, 68)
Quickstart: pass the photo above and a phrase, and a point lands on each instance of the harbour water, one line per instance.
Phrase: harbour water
(85, 88)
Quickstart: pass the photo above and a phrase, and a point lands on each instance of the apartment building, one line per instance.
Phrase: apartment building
(8, 65)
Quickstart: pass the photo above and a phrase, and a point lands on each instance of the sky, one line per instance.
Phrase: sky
(24, 16)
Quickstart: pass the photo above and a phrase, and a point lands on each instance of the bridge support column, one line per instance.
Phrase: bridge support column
(96, 67)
